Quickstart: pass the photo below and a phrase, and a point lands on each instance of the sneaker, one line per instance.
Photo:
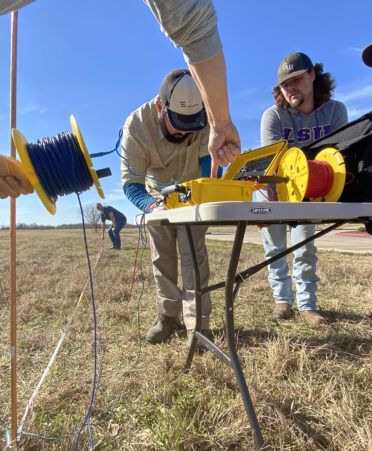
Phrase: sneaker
(313, 318)
(190, 333)
(163, 328)
(282, 311)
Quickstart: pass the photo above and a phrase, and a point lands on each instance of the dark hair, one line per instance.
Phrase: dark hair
(324, 86)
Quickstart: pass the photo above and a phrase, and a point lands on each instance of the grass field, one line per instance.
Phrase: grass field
(311, 388)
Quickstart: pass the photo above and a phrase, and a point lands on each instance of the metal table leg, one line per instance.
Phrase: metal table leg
(198, 307)
(231, 360)
(229, 305)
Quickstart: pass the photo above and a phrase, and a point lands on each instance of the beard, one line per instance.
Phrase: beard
(173, 138)
(298, 101)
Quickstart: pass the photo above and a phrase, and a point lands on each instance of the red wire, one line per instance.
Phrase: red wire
(107, 334)
(352, 178)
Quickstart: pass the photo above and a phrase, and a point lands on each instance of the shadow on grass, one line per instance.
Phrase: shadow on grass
(331, 339)
(334, 341)
(334, 316)
(245, 337)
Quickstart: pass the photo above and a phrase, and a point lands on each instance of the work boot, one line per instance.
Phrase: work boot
(282, 311)
(190, 333)
(313, 318)
(163, 328)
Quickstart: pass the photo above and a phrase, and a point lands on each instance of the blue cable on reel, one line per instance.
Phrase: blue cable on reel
(59, 165)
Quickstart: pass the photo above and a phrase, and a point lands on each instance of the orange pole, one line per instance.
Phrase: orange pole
(13, 290)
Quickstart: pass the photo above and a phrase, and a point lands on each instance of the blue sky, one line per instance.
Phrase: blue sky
(101, 60)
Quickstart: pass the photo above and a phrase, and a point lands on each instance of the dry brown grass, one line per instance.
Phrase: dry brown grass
(311, 388)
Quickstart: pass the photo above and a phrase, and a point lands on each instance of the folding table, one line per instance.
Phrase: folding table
(242, 214)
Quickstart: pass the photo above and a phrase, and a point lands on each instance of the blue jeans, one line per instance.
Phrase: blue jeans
(115, 234)
(304, 263)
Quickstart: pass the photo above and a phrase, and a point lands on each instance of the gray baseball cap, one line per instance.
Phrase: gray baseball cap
(183, 101)
(294, 64)
(367, 55)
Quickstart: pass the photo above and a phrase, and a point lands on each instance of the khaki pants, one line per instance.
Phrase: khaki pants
(171, 300)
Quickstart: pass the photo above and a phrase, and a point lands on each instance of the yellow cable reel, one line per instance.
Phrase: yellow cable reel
(50, 202)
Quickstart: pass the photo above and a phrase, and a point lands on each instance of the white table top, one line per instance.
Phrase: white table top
(263, 212)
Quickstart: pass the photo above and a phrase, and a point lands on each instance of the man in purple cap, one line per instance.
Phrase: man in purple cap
(166, 139)
(367, 55)
(303, 112)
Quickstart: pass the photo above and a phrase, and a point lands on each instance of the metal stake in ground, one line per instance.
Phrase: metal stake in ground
(13, 310)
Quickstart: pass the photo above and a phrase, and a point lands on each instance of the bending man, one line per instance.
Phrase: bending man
(163, 140)
(118, 222)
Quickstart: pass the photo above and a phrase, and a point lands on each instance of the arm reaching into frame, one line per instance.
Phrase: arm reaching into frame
(192, 25)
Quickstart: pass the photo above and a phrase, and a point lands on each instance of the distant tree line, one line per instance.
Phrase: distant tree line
(33, 226)
(92, 218)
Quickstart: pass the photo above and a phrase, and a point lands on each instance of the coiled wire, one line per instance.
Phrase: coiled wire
(60, 165)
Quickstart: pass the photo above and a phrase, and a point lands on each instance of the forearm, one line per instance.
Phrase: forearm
(224, 141)
(137, 194)
(210, 76)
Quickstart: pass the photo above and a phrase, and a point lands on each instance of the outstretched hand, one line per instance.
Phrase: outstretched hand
(13, 178)
(224, 146)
